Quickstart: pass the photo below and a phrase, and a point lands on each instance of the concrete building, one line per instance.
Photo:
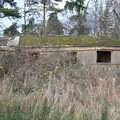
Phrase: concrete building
(84, 55)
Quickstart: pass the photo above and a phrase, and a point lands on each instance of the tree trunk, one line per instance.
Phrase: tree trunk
(24, 17)
(44, 19)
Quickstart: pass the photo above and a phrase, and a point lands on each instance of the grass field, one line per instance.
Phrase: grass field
(83, 40)
(28, 108)
(65, 102)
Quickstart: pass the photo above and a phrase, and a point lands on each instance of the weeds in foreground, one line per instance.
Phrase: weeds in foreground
(65, 101)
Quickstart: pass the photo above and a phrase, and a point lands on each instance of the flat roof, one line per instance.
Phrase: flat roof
(68, 48)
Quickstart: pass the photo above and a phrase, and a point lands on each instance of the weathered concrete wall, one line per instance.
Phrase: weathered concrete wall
(87, 57)
(90, 57)
(115, 57)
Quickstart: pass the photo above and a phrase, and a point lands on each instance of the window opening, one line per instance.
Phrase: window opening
(103, 56)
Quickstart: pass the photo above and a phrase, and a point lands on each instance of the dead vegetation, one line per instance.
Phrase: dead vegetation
(54, 87)
(66, 100)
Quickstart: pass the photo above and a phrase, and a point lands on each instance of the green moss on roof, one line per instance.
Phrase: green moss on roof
(83, 40)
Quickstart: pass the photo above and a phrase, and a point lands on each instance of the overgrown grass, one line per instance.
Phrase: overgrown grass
(83, 40)
(28, 109)
(65, 100)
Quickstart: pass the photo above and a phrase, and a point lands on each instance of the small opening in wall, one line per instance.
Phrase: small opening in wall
(103, 56)
(34, 55)
(74, 57)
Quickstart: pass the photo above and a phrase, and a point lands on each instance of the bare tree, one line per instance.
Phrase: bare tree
(116, 12)
(109, 19)
(24, 16)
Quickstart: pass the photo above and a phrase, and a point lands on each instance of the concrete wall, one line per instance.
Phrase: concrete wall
(115, 57)
(87, 57)
(90, 57)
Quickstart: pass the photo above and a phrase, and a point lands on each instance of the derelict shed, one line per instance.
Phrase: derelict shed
(86, 50)
(84, 55)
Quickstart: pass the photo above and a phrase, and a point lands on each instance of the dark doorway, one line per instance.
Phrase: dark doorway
(103, 56)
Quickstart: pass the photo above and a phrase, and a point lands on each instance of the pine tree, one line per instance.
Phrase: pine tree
(54, 26)
(45, 5)
(78, 7)
(8, 12)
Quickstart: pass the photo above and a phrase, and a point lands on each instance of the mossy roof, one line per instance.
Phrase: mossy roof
(83, 40)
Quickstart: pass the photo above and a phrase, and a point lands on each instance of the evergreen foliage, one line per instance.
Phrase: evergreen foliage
(12, 30)
(8, 12)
